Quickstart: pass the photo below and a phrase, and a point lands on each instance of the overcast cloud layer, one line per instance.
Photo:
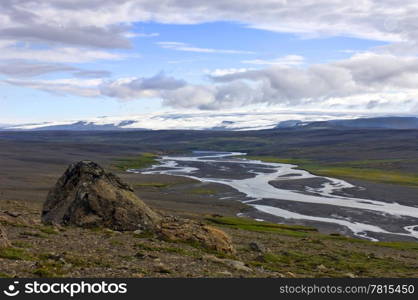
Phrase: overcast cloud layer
(46, 37)
(101, 23)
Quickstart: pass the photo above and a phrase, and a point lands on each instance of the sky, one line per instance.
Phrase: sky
(76, 59)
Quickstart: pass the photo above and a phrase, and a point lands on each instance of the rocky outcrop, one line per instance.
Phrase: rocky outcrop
(176, 229)
(4, 241)
(88, 196)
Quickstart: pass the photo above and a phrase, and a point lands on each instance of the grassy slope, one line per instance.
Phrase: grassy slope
(373, 170)
(290, 251)
(309, 253)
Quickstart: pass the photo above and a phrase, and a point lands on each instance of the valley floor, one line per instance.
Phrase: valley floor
(29, 168)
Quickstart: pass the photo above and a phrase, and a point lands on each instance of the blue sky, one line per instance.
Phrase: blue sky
(217, 60)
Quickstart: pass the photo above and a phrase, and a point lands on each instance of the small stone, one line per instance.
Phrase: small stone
(321, 268)
(12, 213)
(350, 275)
(224, 274)
(140, 255)
(55, 230)
(257, 247)
(138, 231)
(162, 268)
(260, 258)
(236, 264)
(58, 228)
(14, 220)
(213, 258)
(290, 274)
(67, 267)
(4, 241)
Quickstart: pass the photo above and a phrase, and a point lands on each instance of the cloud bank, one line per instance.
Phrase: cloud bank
(103, 23)
(43, 37)
(364, 80)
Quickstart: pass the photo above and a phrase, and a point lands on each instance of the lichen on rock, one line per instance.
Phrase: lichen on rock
(88, 196)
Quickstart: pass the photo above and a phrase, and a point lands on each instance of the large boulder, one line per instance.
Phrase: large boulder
(88, 196)
(179, 229)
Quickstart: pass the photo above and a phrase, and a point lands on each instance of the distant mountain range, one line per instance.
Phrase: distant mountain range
(360, 123)
(224, 121)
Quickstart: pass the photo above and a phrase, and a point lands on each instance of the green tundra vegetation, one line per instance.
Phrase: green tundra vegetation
(287, 251)
(300, 231)
(141, 161)
(372, 170)
(333, 255)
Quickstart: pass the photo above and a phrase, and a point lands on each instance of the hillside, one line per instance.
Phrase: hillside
(263, 250)
(32, 161)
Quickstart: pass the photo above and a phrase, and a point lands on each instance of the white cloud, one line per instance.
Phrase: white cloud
(24, 69)
(288, 60)
(364, 81)
(362, 75)
(141, 35)
(62, 87)
(188, 48)
(222, 72)
(55, 55)
(374, 19)
(134, 88)
(106, 23)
